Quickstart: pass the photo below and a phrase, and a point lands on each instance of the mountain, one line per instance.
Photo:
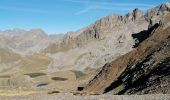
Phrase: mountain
(116, 49)
(98, 43)
(146, 69)
(103, 41)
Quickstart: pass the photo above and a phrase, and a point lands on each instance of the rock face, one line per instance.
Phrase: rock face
(137, 14)
(141, 71)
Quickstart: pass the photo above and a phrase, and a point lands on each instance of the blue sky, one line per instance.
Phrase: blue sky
(60, 16)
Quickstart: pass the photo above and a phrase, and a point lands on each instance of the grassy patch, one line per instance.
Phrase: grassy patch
(5, 76)
(58, 78)
(8, 56)
(78, 73)
(53, 92)
(33, 75)
(34, 63)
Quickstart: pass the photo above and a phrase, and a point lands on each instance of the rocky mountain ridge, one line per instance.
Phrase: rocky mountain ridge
(141, 71)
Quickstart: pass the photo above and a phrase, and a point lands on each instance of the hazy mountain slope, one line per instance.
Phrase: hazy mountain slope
(25, 42)
(143, 70)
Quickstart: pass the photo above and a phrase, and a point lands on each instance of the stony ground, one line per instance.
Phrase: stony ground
(67, 96)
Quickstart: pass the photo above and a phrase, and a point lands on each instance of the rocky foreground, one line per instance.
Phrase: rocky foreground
(68, 96)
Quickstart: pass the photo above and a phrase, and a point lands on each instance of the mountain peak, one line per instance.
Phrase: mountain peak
(159, 10)
(38, 32)
(165, 6)
(137, 13)
(13, 32)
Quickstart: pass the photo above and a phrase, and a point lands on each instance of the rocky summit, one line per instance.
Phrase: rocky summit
(118, 54)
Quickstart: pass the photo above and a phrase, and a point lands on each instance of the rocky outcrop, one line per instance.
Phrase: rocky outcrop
(137, 14)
